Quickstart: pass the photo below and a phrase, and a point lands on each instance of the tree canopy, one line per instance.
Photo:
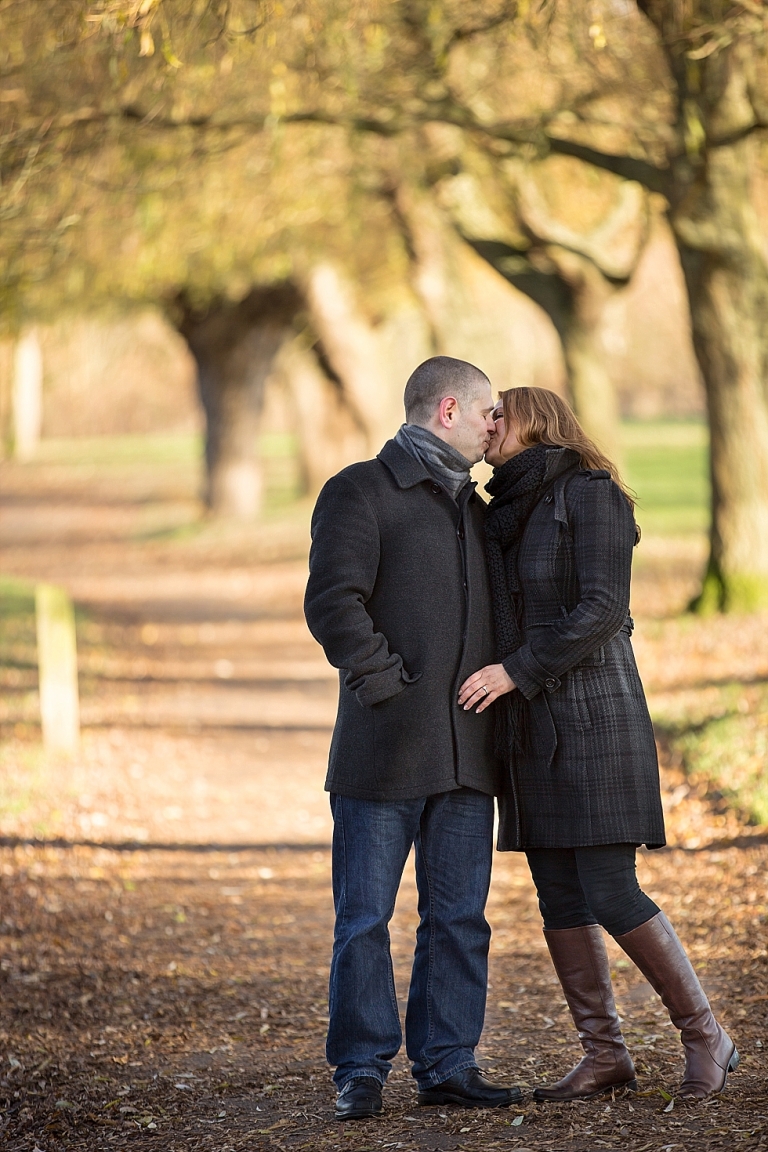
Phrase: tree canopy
(196, 150)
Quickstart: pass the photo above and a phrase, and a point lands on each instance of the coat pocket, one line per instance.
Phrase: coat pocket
(577, 693)
(594, 660)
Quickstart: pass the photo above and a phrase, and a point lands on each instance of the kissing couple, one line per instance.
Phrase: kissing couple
(484, 650)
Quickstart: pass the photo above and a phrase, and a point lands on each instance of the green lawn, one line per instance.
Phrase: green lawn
(665, 463)
(279, 454)
(667, 466)
(116, 451)
(731, 749)
(17, 623)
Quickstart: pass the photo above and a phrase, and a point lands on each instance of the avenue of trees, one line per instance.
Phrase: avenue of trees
(333, 189)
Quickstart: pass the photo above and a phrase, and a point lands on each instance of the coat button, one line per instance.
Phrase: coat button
(550, 683)
(460, 532)
(548, 499)
(435, 488)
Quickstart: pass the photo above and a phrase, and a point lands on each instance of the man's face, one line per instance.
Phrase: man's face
(470, 427)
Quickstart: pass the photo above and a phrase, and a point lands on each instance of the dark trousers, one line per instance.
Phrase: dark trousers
(596, 885)
(453, 836)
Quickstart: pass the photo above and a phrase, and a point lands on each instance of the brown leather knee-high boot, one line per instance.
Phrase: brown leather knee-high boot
(710, 1054)
(581, 963)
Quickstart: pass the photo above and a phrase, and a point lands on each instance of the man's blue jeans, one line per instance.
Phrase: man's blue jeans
(453, 835)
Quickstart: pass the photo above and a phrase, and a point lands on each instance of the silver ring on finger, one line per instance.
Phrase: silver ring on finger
(484, 689)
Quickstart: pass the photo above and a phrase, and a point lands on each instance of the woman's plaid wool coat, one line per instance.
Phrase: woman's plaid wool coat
(590, 773)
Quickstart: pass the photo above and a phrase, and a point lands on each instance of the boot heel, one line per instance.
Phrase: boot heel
(733, 1063)
(631, 1086)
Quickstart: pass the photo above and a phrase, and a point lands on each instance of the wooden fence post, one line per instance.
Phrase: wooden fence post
(27, 395)
(57, 661)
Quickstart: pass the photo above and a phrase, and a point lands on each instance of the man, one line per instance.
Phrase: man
(398, 597)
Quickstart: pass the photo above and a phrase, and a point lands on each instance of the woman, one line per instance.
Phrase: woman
(583, 788)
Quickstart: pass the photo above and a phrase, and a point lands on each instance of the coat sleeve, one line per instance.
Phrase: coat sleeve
(603, 531)
(343, 564)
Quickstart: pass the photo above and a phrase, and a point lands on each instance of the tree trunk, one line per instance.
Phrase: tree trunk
(715, 197)
(330, 437)
(726, 270)
(235, 347)
(372, 357)
(592, 390)
(474, 311)
(592, 264)
(571, 264)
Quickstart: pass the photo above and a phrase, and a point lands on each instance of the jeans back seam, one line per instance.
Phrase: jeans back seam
(431, 953)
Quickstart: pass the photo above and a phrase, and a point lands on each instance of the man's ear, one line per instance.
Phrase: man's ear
(448, 411)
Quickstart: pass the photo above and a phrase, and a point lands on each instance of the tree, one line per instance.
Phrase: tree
(235, 346)
(697, 136)
(716, 182)
(159, 107)
(185, 176)
(120, 181)
(571, 240)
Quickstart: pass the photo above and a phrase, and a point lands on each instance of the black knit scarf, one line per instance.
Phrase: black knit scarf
(515, 489)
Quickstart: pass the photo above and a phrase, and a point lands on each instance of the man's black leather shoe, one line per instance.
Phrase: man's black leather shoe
(470, 1089)
(358, 1099)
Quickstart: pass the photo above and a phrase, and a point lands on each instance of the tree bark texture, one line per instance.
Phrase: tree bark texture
(330, 435)
(371, 357)
(474, 312)
(716, 185)
(572, 267)
(582, 328)
(235, 347)
(726, 268)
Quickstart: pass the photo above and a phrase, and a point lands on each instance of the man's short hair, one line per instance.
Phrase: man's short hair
(436, 378)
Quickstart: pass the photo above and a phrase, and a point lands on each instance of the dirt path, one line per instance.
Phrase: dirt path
(165, 920)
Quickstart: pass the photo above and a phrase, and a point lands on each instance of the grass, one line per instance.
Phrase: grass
(18, 690)
(116, 451)
(727, 746)
(278, 451)
(667, 466)
(17, 624)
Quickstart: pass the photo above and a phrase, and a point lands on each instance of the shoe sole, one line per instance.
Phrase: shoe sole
(628, 1085)
(449, 1098)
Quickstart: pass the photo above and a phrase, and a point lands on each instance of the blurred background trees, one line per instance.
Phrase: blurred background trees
(320, 193)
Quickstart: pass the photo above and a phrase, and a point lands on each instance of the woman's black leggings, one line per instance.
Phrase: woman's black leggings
(597, 885)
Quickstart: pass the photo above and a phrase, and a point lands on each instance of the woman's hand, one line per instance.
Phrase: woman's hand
(485, 687)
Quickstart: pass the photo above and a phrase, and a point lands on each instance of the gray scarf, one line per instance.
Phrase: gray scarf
(448, 466)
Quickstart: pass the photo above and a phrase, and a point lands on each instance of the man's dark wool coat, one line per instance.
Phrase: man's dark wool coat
(398, 596)
(590, 775)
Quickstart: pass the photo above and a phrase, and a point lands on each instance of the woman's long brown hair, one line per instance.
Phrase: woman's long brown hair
(542, 417)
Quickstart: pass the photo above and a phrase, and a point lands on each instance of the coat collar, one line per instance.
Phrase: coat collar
(408, 471)
(559, 460)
